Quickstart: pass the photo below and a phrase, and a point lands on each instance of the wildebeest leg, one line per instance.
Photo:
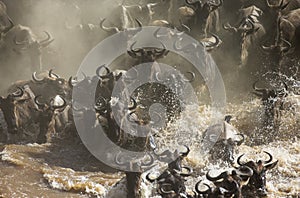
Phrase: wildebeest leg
(44, 123)
(133, 184)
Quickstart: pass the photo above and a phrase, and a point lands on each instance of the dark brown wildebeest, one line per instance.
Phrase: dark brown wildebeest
(287, 43)
(171, 181)
(48, 86)
(275, 10)
(272, 100)
(46, 115)
(7, 115)
(227, 184)
(247, 34)
(257, 182)
(206, 18)
(20, 40)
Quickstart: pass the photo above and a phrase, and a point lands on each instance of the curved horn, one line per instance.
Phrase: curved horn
(256, 88)
(245, 171)
(162, 51)
(140, 25)
(134, 105)
(35, 79)
(149, 179)
(240, 141)
(221, 176)
(40, 105)
(18, 93)
(106, 69)
(137, 50)
(270, 157)
(239, 160)
(202, 192)
(267, 49)
(108, 29)
(218, 41)
(184, 154)
(288, 47)
(272, 165)
(189, 173)
(133, 52)
(52, 74)
(47, 41)
(163, 191)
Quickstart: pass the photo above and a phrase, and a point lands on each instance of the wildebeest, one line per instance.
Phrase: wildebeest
(247, 34)
(21, 40)
(225, 138)
(257, 182)
(287, 42)
(46, 115)
(133, 178)
(171, 181)
(283, 7)
(7, 115)
(206, 18)
(272, 100)
(227, 184)
(48, 84)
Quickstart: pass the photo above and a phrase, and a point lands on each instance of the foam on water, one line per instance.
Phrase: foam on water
(43, 177)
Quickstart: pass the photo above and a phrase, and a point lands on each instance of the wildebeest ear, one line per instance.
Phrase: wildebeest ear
(272, 165)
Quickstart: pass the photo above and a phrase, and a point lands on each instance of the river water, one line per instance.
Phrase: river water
(64, 168)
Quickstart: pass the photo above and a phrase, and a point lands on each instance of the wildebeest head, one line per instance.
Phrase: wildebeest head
(21, 40)
(7, 105)
(202, 13)
(113, 30)
(51, 85)
(267, 95)
(258, 179)
(231, 183)
(170, 184)
(243, 36)
(278, 50)
(148, 54)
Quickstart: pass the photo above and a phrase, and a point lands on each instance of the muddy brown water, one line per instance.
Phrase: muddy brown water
(66, 169)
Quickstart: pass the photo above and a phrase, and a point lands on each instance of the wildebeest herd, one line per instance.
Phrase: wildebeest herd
(265, 37)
